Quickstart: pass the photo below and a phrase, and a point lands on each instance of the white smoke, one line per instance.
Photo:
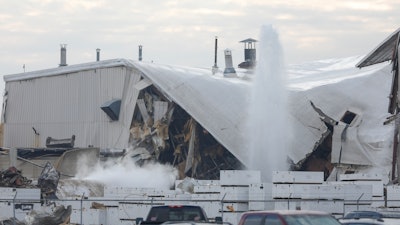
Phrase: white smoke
(125, 173)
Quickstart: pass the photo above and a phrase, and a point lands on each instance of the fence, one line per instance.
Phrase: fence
(86, 210)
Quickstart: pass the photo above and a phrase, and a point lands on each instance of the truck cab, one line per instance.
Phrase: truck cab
(164, 213)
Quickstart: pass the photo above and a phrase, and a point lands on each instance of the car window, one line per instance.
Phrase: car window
(253, 220)
(272, 220)
(310, 220)
(363, 214)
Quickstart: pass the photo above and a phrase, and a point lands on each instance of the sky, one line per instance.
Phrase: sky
(183, 32)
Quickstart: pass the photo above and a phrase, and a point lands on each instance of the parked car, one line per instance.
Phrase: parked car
(287, 217)
(362, 214)
(362, 221)
(372, 217)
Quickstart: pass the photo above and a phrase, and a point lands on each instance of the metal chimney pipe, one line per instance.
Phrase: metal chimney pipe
(97, 54)
(229, 70)
(215, 67)
(215, 52)
(63, 57)
(140, 52)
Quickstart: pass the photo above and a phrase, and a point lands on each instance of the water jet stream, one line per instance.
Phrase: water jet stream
(268, 116)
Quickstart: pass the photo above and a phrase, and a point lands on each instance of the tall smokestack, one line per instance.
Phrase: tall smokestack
(97, 54)
(63, 56)
(215, 67)
(229, 70)
(140, 52)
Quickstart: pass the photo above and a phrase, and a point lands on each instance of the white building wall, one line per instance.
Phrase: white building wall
(69, 104)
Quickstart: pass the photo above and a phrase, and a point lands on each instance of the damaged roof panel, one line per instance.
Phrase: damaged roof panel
(220, 105)
(383, 52)
(215, 102)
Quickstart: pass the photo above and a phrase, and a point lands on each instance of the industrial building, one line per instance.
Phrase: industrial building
(196, 120)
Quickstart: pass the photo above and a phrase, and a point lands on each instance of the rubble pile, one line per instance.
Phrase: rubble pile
(12, 177)
(48, 181)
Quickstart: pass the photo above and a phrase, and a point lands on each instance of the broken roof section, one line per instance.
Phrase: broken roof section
(383, 52)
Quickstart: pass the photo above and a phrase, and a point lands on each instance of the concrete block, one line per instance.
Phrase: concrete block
(323, 192)
(132, 211)
(207, 189)
(336, 206)
(231, 217)
(206, 197)
(360, 177)
(234, 194)
(236, 207)
(297, 177)
(239, 177)
(260, 191)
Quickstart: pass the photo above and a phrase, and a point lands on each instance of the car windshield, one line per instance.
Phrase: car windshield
(182, 213)
(363, 214)
(390, 214)
(310, 220)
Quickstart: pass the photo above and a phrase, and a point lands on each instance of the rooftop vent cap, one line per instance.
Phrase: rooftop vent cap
(229, 70)
(112, 108)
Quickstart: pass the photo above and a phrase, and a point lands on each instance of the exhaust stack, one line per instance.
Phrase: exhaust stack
(63, 57)
(97, 54)
(249, 54)
(215, 67)
(140, 52)
(229, 70)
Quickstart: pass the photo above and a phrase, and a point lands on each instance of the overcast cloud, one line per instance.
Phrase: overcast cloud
(182, 32)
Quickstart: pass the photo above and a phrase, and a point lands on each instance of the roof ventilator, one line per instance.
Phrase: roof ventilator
(112, 108)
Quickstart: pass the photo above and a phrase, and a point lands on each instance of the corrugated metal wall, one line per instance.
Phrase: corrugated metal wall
(69, 104)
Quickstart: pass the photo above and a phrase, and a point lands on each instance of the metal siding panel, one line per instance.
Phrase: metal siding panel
(63, 105)
(128, 103)
(110, 88)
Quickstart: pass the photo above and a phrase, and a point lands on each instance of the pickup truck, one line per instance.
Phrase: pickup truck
(164, 213)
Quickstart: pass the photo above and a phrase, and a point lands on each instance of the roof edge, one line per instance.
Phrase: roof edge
(363, 63)
(68, 69)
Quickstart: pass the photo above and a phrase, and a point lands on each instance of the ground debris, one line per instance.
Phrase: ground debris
(61, 215)
(48, 181)
(11, 221)
(12, 177)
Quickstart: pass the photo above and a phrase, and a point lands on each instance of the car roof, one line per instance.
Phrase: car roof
(390, 213)
(288, 212)
(360, 221)
(363, 214)
(187, 223)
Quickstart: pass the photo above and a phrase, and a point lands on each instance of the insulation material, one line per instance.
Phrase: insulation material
(160, 108)
(143, 111)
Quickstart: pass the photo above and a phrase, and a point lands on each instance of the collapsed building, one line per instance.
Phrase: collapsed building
(196, 121)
